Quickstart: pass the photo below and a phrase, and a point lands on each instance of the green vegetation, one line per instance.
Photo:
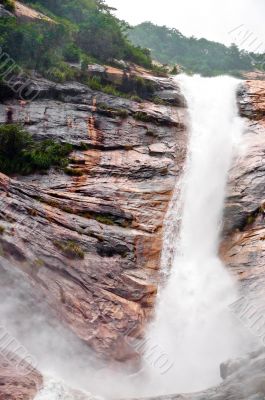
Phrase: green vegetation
(169, 46)
(70, 249)
(112, 112)
(19, 153)
(9, 4)
(73, 171)
(39, 263)
(108, 219)
(132, 87)
(2, 230)
(141, 116)
(96, 83)
(79, 31)
(105, 219)
(142, 88)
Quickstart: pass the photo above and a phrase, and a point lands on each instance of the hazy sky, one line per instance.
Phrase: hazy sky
(211, 19)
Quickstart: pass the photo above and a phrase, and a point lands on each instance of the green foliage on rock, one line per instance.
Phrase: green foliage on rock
(79, 30)
(9, 4)
(70, 249)
(20, 154)
(141, 116)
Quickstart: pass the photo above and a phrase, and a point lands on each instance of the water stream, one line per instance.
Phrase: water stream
(193, 325)
(193, 330)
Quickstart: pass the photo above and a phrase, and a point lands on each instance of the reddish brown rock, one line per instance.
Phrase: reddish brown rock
(17, 386)
(243, 248)
(28, 14)
(92, 241)
(253, 101)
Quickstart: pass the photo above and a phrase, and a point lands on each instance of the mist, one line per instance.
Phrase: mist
(193, 331)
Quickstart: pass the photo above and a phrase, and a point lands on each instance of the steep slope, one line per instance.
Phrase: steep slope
(15, 384)
(169, 46)
(27, 14)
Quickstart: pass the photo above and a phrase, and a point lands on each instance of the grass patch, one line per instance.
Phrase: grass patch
(73, 172)
(39, 263)
(132, 88)
(9, 5)
(138, 86)
(122, 113)
(70, 249)
(141, 116)
(96, 83)
(136, 98)
(161, 102)
(107, 219)
(104, 219)
(19, 153)
(112, 112)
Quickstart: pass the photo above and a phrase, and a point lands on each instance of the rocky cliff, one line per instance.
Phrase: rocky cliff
(15, 385)
(243, 249)
(90, 238)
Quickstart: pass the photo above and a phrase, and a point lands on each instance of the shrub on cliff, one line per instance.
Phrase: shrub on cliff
(70, 249)
(78, 28)
(19, 153)
(9, 5)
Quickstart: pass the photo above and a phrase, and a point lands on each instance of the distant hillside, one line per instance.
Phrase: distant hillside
(169, 46)
(47, 35)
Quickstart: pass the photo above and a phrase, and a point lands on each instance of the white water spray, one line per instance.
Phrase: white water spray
(193, 327)
(193, 324)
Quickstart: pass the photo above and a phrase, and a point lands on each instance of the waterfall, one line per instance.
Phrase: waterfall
(194, 330)
(193, 324)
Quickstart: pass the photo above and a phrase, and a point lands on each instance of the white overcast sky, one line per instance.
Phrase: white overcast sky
(212, 19)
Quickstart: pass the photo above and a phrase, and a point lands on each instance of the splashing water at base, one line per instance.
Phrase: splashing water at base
(193, 324)
(58, 390)
(194, 329)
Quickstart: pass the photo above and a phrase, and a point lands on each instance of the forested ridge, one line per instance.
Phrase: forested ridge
(87, 31)
(170, 46)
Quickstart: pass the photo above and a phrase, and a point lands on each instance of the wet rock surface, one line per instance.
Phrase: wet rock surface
(243, 247)
(91, 241)
(91, 238)
(243, 251)
(4, 12)
(15, 384)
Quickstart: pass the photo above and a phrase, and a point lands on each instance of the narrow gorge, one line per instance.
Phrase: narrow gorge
(132, 210)
(89, 246)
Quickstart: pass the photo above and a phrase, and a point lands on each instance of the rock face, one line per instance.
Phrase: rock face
(4, 12)
(91, 239)
(17, 386)
(244, 247)
(243, 251)
(27, 14)
(245, 381)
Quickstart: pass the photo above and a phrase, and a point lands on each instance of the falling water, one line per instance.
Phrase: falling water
(194, 330)
(194, 326)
